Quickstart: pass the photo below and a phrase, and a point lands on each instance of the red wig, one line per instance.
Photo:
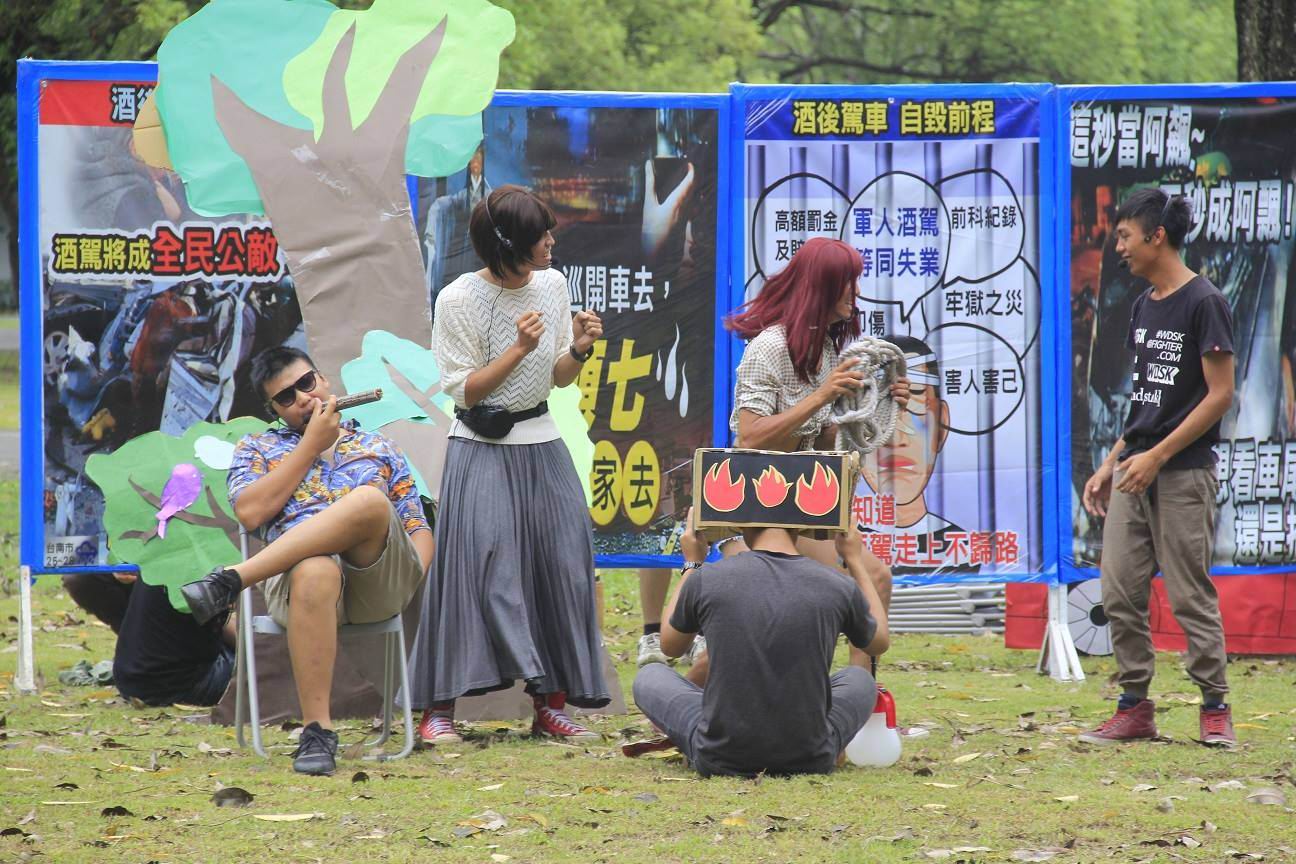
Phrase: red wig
(803, 297)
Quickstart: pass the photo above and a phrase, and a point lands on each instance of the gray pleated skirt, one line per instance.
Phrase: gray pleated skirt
(510, 596)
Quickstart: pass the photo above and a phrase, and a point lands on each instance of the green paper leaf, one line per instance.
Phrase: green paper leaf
(199, 538)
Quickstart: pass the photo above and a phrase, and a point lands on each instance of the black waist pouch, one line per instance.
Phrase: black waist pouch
(492, 421)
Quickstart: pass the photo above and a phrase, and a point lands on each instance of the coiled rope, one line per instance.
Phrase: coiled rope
(866, 418)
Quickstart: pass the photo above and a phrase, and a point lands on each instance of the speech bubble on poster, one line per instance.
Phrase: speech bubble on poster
(901, 228)
(982, 375)
(789, 212)
(987, 232)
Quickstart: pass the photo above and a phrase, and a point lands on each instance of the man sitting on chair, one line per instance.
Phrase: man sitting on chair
(348, 542)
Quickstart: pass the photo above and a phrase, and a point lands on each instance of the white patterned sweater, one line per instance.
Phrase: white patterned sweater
(477, 321)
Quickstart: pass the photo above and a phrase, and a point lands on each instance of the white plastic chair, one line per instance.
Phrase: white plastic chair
(247, 707)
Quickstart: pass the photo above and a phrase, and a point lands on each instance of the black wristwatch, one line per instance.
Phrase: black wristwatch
(577, 356)
(691, 565)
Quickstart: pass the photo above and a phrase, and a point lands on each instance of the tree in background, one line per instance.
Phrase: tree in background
(68, 30)
(638, 45)
(1266, 40)
(1061, 41)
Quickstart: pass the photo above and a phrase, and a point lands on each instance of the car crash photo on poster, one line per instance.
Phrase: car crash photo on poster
(151, 310)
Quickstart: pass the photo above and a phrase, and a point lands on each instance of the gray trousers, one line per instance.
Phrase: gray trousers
(1171, 528)
(674, 705)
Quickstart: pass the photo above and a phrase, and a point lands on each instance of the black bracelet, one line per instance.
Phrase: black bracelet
(691, 565)
(577, 356)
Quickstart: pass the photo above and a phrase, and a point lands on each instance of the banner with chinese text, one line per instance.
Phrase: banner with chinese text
(150, 310)
(938, 189)
(634, 182)
(1231, 156)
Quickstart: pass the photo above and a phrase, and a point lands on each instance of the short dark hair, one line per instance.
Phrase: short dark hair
(270, 363)
(505, 225)
(1151, 209)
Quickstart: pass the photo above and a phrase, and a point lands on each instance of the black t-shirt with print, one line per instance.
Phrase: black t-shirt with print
(1169, 337)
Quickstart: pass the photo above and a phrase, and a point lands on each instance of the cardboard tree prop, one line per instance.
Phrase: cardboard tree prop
(315, 115)
(768, 488)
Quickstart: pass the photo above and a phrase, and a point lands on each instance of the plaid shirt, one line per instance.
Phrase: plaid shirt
(768, 385)
(359, 459)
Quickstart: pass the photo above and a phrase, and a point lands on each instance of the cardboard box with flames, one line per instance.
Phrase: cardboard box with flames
(767, 488)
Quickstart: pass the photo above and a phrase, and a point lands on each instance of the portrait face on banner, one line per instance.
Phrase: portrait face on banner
(939, 197)
(1232, 160)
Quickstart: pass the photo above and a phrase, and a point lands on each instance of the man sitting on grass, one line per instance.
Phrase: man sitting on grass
(767, 703)
(347, 538)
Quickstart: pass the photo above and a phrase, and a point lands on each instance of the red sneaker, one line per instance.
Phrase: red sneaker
(1130, 724)
(1216, 727)
(552, 721)
(438, 729)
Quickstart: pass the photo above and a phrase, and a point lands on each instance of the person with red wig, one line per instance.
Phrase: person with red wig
(791, 374)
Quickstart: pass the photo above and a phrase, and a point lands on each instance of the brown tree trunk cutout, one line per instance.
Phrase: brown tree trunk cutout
(340, 207)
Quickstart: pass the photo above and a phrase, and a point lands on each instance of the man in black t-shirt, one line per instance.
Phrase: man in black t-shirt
(164, 656)
(772, 618)
(1161, 515)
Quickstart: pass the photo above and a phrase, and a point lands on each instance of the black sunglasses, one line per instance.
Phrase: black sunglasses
(287, 396)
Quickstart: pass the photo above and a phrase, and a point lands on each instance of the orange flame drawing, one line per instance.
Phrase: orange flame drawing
(772, 488)
(820, 497)
(719, 490)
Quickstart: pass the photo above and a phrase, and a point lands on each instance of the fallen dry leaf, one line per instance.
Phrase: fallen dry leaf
(1045, 854)
(966, 757)
(1267, 797)
(288, 817)
(491, 788)
(1066, 799)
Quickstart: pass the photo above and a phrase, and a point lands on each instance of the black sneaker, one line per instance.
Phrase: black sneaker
(213, 595)
(316, 751)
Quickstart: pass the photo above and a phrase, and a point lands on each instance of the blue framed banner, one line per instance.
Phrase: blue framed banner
(946, 193)
(150, 311)
(1226, 148)
(639, 183)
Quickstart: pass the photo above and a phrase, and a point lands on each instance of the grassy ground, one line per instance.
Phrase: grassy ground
(8, 388)
(8, 321)
(1000, 778)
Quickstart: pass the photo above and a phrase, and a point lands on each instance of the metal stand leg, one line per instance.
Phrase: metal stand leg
(1058, 653)
(403, 665)
(25, 679)
(250, 675)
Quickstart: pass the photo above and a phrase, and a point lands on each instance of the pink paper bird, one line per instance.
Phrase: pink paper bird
(181, 490)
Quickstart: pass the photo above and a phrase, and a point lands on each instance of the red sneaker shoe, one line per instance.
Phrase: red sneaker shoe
(1216, 727)
(551, 720)
(1131, 724)
(438, 729)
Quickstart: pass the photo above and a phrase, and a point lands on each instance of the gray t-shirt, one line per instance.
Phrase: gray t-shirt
(771, 623)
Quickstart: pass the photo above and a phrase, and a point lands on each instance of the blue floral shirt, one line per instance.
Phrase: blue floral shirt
(360, 459)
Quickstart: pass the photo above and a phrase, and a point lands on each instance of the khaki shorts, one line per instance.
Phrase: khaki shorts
(373, 593)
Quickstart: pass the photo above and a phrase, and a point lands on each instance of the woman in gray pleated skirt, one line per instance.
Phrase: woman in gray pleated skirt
(511, 593)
